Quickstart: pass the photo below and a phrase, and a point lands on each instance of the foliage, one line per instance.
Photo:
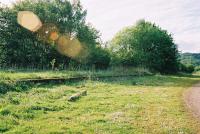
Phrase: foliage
(100, 58)
(23, 48)
(197, 68)
(190, 59)
(187, 68)
(53, 64)
(146, 45)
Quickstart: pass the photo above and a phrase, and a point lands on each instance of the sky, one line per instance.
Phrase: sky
(180, 17)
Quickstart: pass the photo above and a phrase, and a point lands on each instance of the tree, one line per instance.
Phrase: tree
(23, 48)
(146, 45)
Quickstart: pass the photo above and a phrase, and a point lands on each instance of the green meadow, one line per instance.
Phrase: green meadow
(128, 105)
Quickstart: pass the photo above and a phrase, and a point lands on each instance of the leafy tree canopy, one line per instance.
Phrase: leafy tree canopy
(147, 45)
(19, 46)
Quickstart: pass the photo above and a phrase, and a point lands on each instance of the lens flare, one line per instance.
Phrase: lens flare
(82, 57)
(48, 33)
(75, 48)
(62, 44)
(54, 36)
(29, 20)
(69, 47)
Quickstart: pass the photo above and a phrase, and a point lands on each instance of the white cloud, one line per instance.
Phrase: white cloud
(179, 17)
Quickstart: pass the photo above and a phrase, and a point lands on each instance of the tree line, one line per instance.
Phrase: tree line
(142, 45)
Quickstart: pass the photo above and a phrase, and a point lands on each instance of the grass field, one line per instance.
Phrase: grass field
(131, 105)
(21, 74)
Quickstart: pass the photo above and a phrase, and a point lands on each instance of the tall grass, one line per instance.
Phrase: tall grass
(15, 74)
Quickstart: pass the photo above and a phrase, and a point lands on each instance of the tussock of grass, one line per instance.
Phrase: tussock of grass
(6, 86)
(150, 104)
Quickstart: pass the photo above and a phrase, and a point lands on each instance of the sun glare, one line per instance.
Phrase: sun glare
(69, 47)
(29, 20)
(65, 44)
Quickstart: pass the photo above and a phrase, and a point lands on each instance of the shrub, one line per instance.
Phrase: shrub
(197, 68)
(146, 45)
(99, 58)
(187, 68)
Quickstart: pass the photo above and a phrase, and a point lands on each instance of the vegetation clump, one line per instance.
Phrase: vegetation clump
(19, 46)
(7, 86)
(146, 45)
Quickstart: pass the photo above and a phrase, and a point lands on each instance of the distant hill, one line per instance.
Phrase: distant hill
(190, 59)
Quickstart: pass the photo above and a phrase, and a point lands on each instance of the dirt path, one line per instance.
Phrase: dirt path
(192, 100)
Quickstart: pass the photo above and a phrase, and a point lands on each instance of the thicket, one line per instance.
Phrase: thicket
(22, 48)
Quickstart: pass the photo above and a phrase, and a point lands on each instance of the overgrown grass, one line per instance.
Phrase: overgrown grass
(24, 74)
(150, 104)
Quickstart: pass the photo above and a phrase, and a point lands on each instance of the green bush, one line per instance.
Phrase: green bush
(187, 68)
(146, 45)
(197, 68)
(99, 58)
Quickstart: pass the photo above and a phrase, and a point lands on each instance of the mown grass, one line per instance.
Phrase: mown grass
(132, 105)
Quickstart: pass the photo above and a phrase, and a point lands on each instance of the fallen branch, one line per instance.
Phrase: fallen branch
(77, 96)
